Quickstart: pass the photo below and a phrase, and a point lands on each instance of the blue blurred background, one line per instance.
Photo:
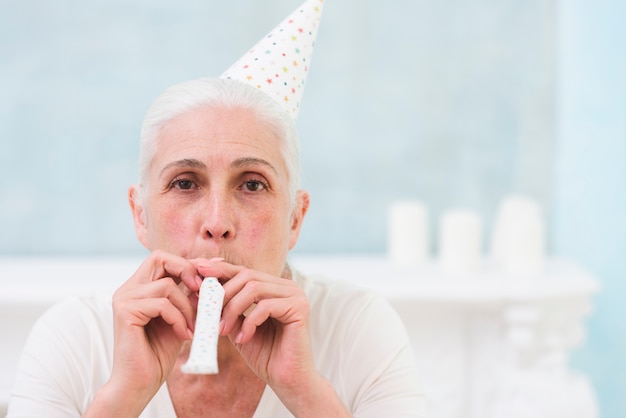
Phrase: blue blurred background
(455, 103)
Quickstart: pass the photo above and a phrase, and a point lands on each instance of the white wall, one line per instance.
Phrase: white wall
(451, 102)
(590, 178)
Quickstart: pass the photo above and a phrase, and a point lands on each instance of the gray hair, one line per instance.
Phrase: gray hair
(219, 93)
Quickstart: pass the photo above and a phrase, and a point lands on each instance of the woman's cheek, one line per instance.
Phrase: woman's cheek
(262, 223)
(266, 233)
(173, 228)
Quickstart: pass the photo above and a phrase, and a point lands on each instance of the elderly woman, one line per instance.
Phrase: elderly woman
(218, 197)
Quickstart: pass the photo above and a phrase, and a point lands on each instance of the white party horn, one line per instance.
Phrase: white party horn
(203, 355)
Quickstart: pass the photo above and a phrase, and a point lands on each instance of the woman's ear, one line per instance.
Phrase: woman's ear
(139, 217)
(297, 216)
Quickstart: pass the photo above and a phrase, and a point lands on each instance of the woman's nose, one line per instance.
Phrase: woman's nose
(217, 232)
(218, 219)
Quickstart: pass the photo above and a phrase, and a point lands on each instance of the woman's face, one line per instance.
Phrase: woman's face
(218, 186)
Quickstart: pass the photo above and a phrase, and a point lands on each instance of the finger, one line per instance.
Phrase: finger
(172, 316)
(232, 275)
(252, 292)
(145, 310)
(248, 280)
(164, 288)
(205, 261)
(283, 310)
(217, 267)
(160, 264)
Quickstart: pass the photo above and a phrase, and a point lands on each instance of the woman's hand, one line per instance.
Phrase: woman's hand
(154, 314)
(267, 319)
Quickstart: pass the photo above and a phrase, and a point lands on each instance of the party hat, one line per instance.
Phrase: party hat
(278, 63)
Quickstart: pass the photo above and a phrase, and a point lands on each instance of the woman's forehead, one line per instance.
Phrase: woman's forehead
(236, 134)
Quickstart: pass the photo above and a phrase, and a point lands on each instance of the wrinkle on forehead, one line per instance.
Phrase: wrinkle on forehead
(242, 162)
(220, 132)
(185, 162)
(252, 161)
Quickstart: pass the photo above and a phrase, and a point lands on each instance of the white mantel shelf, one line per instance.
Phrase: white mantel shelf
(489, 344)
(427, 283)
(46, 280)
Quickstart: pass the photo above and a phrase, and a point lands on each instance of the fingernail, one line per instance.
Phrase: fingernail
(239, 338)
(198, 282)
(190, 333)
(221, 327)
(207, 264)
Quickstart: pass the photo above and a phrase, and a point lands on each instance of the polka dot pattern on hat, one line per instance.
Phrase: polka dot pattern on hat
(279, 63)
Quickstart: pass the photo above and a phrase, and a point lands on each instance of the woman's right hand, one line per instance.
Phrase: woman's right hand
(153, 316)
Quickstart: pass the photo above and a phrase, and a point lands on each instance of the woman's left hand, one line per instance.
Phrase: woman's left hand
(267, 319)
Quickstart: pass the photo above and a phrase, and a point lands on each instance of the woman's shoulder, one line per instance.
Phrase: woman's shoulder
(67, 355)
(321, 288)
(345, 301)
(76, 322)
(74, 311)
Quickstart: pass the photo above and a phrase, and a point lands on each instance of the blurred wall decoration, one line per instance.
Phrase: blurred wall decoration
(457, 104)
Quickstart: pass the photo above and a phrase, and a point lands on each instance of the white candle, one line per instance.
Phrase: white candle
(526, 248)
(460, 241)
(408, 232)
(518, 244)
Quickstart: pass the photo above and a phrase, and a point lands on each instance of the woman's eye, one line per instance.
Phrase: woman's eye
(183, 184)
(254, 186)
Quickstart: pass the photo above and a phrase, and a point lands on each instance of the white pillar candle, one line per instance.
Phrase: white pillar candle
(526, 248)
(460, 241)
(203, 355)
(518, 242)
(408, 233)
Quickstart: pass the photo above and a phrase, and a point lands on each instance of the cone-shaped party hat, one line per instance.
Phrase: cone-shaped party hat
(278, 63)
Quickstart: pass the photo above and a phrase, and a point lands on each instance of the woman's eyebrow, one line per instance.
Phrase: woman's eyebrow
(186, 162)
(251, 161)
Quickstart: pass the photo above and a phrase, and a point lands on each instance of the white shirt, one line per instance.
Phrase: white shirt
(359, 344)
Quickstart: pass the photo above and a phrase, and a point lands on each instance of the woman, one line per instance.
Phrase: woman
(218, 197)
